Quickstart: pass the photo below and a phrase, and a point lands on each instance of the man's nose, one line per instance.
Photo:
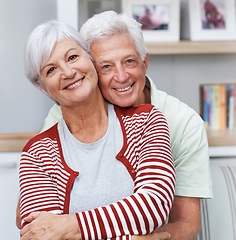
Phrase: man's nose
(121, 74)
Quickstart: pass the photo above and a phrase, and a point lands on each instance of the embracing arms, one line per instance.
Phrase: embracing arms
(138, 214)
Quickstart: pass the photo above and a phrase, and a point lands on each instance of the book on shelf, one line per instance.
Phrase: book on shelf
(218, 106)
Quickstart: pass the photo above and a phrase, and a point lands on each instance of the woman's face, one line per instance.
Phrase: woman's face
(69, 76)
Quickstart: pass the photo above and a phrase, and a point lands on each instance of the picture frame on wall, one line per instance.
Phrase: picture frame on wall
(212, 20)
(87, 8)
(160, 19)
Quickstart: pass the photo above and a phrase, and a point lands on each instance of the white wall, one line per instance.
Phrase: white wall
(9, 188)
(22, 106)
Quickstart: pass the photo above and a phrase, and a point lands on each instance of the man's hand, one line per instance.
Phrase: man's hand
(152, 236)
(48, 226)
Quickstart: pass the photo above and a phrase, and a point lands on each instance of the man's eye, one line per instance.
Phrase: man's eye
(105, 66)
(130, 60)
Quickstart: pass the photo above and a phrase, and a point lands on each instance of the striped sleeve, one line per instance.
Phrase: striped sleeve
(154, 185)
(40, 188)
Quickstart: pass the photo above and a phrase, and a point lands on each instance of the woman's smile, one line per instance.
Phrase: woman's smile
(75, 84)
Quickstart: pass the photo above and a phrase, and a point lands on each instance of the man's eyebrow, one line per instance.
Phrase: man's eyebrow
(109, 61)
(130, 55)
(104, 61)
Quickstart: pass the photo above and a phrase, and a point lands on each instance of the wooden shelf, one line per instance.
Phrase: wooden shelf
(192, 47)
(222, 151)
(221, 137)
(14, 142)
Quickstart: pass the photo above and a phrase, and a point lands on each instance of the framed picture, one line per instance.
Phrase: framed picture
(160, 19)
(212, 20)
(87, 8)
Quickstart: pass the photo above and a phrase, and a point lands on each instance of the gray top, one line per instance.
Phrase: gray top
(102, 178)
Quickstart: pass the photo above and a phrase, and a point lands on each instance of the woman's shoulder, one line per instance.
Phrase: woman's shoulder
(44, 138)
(141, 109)
(140, 115)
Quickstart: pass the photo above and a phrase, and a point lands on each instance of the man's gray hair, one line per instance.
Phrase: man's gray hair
(108, 23)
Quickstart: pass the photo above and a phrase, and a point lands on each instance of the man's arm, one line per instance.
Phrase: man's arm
(184, 220)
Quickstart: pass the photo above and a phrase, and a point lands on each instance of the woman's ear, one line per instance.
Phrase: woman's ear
(39, 84)
(145, 61)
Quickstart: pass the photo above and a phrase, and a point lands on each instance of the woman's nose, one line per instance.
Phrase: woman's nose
(68, 71)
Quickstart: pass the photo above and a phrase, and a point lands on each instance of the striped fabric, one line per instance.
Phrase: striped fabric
(218, 215)
(45, 178)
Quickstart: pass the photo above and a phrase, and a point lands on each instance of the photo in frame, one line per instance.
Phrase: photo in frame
(212, 20)
(160, 19)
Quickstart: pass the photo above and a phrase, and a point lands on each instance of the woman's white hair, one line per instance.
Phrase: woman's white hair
(41, 43)
(108, 23)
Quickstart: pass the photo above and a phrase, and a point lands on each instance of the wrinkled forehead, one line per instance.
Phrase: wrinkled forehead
(113, 45)
(63, 44)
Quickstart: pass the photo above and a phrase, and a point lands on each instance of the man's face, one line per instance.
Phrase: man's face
(120, 70)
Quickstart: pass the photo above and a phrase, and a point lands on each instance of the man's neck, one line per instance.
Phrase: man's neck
(147, 95)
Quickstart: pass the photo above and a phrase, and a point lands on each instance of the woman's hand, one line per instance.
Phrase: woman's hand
(48, 226)
(152, 236)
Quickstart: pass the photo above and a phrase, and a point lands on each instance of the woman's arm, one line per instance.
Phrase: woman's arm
(154, 184)
(38, 190)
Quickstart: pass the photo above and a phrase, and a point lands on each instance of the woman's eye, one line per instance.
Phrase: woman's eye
(72, 57)
(50, 70)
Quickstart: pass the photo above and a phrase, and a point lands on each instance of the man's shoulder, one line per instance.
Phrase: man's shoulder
(54, 115)
(175, 111)
(171, 105)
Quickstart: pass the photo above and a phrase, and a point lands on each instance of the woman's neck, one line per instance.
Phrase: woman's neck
(88, 122)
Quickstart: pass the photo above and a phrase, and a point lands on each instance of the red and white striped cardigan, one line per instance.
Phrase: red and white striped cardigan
(46, 180)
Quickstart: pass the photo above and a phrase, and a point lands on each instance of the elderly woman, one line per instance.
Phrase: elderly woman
(102, 171)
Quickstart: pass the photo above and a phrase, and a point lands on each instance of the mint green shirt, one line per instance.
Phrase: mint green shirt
(188, 143)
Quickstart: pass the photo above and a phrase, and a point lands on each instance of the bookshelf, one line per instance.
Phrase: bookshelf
(222, 143)
(218, 110)
(192, 47)
(221, 137)
(216, 138)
